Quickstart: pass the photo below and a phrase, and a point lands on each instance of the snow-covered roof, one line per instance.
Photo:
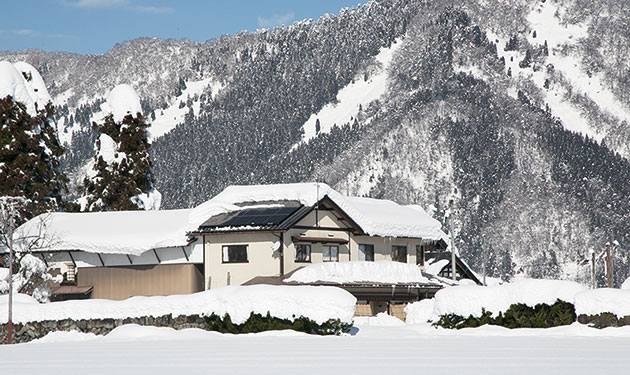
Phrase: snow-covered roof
(134, 232)
(121, 232)
(376, 217)
(381, 272)
(29, 91)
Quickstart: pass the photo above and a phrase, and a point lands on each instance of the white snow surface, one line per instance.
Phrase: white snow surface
(114, 232)
(381, 320)
(421, 312)
(376, 217)
(108, 149)
(371, 349)
(134, 232)
(33, 94)
(151, 200)
(626, 284)
(381, 272)
(435, 266)
(596, 301)
(122, 101)
(319, 303)
(468, 300)
(358, 93)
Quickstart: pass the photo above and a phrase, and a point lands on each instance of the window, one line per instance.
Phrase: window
(331, 253)
(420, 255)
(302, 253)
(366, 252)
(235, 254)
(399, 253)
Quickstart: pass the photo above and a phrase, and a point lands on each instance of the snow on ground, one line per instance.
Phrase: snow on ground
(122, 101)
(626, 284)
(29, 91)
(593, 302)
(167, 119)
(381, 272)
(358, 93)
(376, 349)
(380, 320)
(286, 302)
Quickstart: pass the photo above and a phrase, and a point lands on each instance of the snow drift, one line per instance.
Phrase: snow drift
(286, 302)
(597, 301)
(465, 300)
(382, 272)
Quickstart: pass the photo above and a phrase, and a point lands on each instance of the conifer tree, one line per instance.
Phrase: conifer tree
(121, 180)
(29, 159)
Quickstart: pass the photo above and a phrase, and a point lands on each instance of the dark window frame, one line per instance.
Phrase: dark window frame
(223, 248)
(396, 255)
(330, 260)
(420, 251)
(310, 251)
(366, 254)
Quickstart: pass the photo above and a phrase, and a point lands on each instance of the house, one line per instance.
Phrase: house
(243, 233)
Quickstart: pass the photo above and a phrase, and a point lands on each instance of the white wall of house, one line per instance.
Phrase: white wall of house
(262, 260)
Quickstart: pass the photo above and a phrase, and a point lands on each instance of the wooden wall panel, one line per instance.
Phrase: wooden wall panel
(119, 283)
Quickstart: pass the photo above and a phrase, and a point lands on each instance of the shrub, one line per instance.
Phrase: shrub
(260, 323)
(518, 315)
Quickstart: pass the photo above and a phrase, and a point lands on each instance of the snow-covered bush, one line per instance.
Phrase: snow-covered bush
(30, 277)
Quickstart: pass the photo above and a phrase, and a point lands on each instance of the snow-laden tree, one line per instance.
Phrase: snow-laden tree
(31, 274)
(119, 177)
(29, 148)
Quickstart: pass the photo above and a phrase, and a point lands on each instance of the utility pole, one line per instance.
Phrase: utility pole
(609, 274)
(10, 243)
(450, 224)
(593, 269)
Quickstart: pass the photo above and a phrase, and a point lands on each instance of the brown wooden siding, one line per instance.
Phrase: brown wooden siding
(119, 283)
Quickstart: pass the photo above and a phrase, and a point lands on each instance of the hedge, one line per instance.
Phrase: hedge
(518, 315)
(259, 323)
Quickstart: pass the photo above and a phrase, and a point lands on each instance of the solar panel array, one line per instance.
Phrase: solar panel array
(259, 216)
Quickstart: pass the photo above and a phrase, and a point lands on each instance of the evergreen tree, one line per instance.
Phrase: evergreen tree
(29, 159)
(119, 182)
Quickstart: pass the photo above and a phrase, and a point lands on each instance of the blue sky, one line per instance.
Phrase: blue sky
(94, 26)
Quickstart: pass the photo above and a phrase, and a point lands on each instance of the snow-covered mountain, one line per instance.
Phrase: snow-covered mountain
(517, 110)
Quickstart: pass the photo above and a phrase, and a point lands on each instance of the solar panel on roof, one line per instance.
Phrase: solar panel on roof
(259, 216)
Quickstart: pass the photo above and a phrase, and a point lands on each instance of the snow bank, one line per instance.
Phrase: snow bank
(380, 320)
(381, 272)
(376, 217)
(285, 302)
(121, 232)
(122, 101)
(421, 312)
(468, 300)
(626, 284)
(593, 302)
(31, 92)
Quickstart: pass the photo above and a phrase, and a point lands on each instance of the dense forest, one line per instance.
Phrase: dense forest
(484, 104)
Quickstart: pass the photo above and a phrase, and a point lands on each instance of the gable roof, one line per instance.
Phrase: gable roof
(374, 217)
(134, 232)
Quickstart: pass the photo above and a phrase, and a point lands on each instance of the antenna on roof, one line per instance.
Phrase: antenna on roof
(317, 205)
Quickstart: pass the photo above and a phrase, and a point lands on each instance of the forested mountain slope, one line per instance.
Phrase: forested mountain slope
(516, 110)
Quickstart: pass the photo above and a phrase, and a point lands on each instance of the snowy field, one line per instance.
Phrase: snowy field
(393, 349)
